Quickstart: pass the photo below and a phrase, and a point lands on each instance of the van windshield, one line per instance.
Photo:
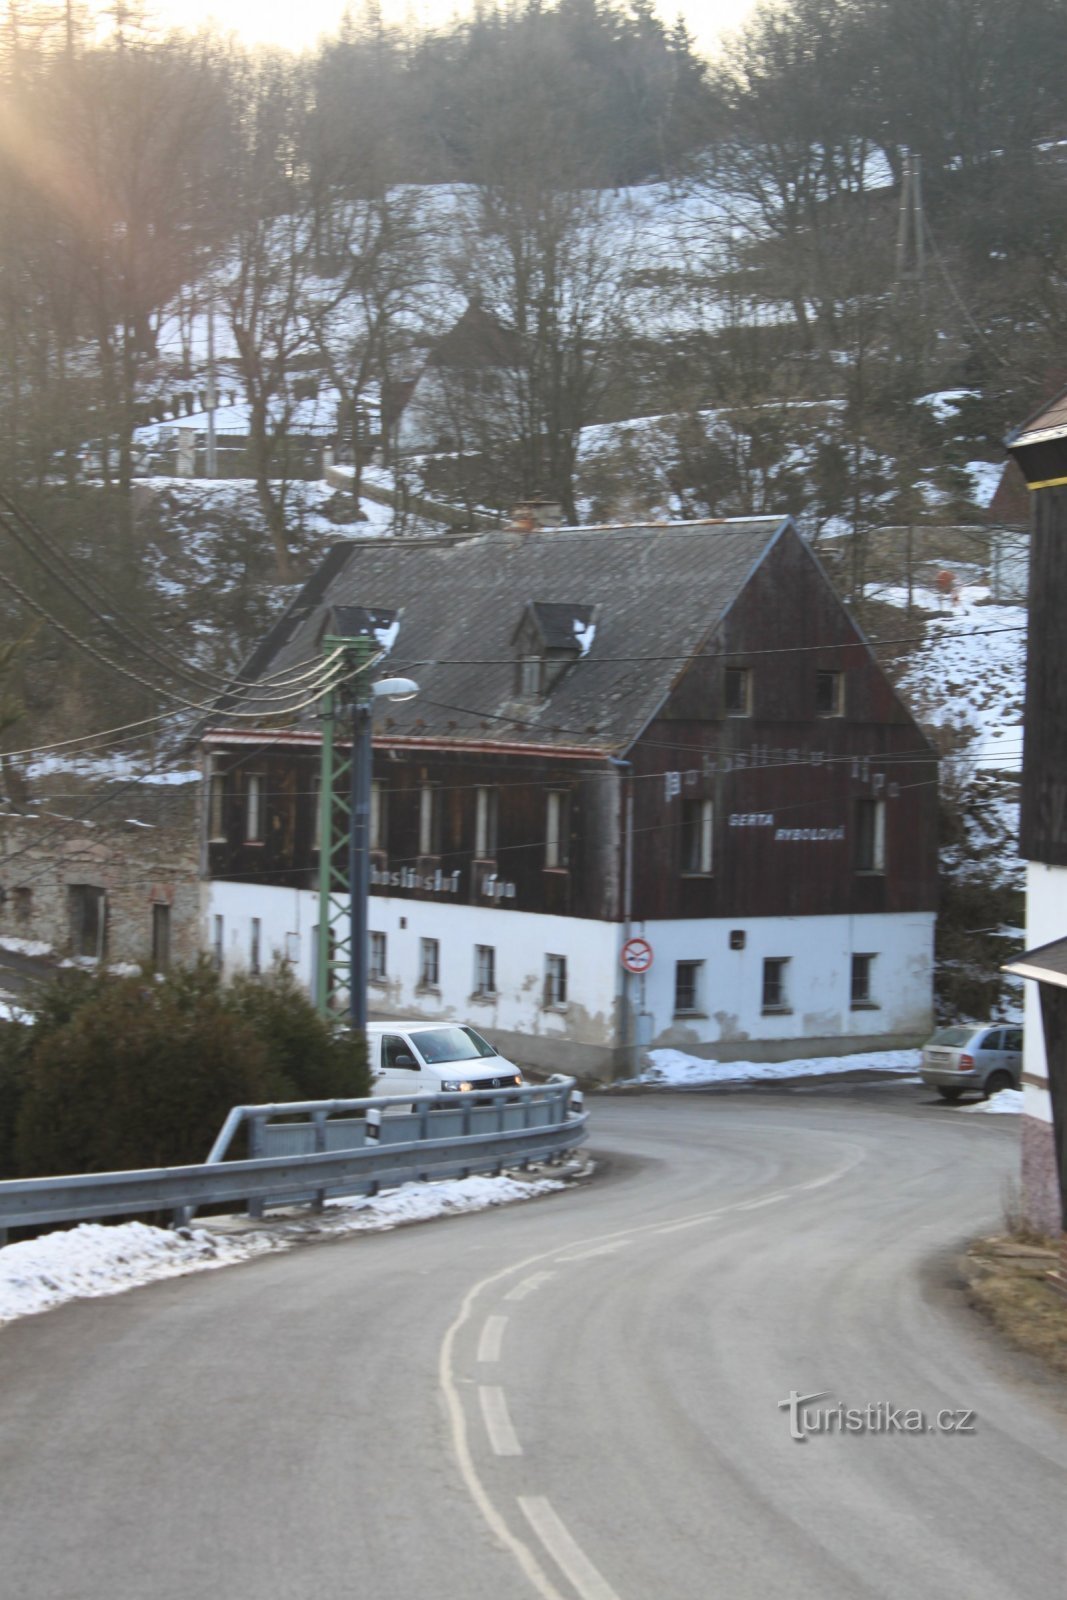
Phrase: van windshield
(450, 1044)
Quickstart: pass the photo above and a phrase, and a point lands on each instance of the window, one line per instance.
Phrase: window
(484, 970)
(216, 824)
(696, 836)
(377, 958)
(829, 694)
(862, 975)
(397, 1055)
(87, 908)
(160, 937)
(687, 985)
(738, 686)
(775, 992)
(23, 904)
(429, 963)
(557, 827)
(992, 1041)
(429, 811)
(218, 943)
(555, 980)
(377, 818)
(254, 945)
(531, 677)
(254, 809)
(485, 821)
(870, 835)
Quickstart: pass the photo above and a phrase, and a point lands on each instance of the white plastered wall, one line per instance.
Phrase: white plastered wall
(730, 1019)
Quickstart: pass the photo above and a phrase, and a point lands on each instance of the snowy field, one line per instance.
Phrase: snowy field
(100, 1259)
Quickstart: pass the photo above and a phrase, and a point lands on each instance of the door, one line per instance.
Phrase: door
(401, 1072)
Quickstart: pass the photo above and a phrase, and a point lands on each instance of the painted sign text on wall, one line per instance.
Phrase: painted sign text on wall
(407, 878)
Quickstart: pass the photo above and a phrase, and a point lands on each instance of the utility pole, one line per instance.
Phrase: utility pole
(344, 811)
(344, 806)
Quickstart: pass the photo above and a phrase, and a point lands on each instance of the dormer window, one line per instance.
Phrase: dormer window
(550, 637)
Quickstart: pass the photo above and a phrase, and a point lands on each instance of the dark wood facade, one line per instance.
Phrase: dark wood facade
(1043, 814)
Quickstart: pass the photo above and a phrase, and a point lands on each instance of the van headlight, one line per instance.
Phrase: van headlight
(453, 1086)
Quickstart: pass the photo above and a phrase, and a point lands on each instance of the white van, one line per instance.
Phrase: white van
(435, 1058)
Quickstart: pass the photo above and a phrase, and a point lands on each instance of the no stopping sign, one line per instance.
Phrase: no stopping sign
(637, 955)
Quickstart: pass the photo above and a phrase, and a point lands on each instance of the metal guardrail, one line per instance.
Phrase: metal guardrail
(341, 1147)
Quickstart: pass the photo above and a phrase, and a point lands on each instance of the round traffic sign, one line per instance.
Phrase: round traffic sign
(637, 955)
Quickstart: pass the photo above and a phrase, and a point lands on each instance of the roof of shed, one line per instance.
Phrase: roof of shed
(659, 591)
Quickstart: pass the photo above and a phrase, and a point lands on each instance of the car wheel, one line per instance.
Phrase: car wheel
(995, 1082)
(949, 1093)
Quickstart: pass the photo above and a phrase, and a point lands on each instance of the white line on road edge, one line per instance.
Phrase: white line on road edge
(528, 1285)
(502, 1437)
(496, 1524)
(568, 1556)
(492, 1336)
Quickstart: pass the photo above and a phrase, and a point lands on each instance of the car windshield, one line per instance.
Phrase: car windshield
(952, 1036)
(451, 1044)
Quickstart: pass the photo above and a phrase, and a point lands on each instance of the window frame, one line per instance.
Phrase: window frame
(486, 822)
(692, 991)
(376, 820)
(254, 809)
(861, 981)
(377, 956)
(870, 842)
(429, 819)
(216, 803)
(774, 1000)
(555, 982)
(836, 680)
(697, 862)
(742, 676)
(485, 968)
(429, 964)
(557, 830)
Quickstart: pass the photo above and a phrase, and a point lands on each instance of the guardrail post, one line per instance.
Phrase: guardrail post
(318, 1123)
(255, 1151)
(372, 1134)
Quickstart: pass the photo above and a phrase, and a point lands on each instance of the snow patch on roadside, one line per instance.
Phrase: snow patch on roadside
(1009, 1101)
(674, 1066)
(97, 1259)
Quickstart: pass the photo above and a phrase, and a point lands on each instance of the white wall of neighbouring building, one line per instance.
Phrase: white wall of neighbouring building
(730, 1021)
(1046, 920)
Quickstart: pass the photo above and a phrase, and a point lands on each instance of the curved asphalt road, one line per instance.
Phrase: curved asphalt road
(575, 1399)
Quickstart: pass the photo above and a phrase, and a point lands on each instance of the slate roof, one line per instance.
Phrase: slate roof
(658, 590)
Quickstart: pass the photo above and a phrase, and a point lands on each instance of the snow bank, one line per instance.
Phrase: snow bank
(25, 947)
(675, 1067)
(99, 1259)
(1008, 1101)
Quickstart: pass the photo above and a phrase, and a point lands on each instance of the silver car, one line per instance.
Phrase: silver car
(987, 1058)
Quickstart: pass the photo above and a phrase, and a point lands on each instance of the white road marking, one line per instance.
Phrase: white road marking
(447, 1382)
(502, 1437)
(492, 1334)
(567, 1554)
(528, 1285)
(597, 1250)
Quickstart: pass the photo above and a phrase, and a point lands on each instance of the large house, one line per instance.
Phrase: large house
(1039, 447)
(673, 734)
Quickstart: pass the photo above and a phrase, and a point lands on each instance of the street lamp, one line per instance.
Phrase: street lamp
(359, 834)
